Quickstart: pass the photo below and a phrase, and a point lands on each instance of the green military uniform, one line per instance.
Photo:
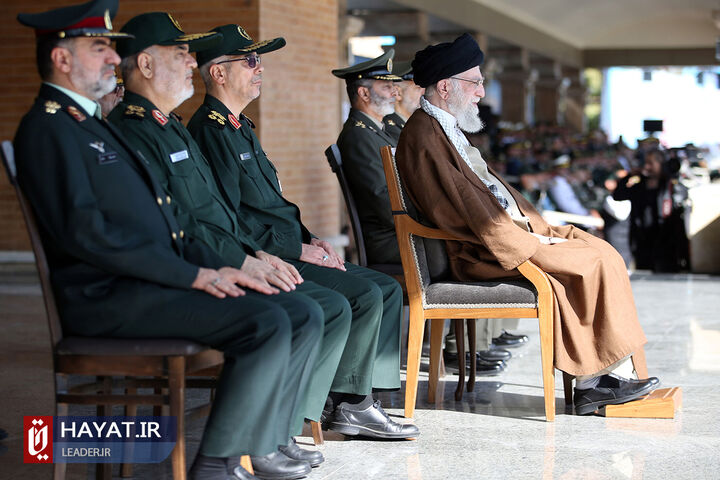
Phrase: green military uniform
(203, 213)
(121, 269)
(393, 125)
(249, 180)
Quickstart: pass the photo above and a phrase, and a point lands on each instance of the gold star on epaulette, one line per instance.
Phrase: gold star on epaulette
(135, 111)
(391, 123)
(218, 117)
(51, 106)
(360, 124)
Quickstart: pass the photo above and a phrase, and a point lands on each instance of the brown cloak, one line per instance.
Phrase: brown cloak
(596, 322)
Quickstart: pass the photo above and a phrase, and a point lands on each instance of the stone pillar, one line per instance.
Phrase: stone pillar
(513, 78)
(574, 107)
(547, 91)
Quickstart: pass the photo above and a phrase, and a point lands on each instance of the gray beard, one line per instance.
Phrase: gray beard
(382, 106)
(464, 111)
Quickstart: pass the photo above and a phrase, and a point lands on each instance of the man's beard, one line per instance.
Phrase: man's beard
(96, 88)
(462, 108)
(383, 106)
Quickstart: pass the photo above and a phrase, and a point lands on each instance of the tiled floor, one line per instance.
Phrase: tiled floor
(498, 431)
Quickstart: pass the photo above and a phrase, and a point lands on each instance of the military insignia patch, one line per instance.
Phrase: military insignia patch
(51, 106)
(234, 121)
(76, 114)
(213, 115)
(391, 123)
(135, 111)
(108, 23)
(389, 65)
(99, 146)
(158, 116)
(360, 124)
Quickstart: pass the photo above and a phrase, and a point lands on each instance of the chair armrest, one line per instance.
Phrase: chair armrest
(412, 227)
(537, 277)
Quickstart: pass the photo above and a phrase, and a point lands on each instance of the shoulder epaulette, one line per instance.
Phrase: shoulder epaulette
(217, 119)
(135, 111)
(51, 107)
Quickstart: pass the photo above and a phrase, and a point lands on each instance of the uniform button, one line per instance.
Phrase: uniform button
(182, 234)
(168, 199)
(159, 200)
(174, 236)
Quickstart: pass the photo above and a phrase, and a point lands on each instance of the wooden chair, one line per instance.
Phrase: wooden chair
(159, 364)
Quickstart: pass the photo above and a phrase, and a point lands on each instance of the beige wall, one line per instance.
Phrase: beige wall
(297, 114)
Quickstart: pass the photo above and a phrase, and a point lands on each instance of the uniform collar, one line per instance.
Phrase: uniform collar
(377, 124)
(90, 106)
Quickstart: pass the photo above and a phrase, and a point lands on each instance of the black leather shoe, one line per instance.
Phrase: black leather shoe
(508, 340)
(313, 457)
(369, 421)
(495, 354)
(277, 466)
(611, 390)
(483, 368)
(239, 473)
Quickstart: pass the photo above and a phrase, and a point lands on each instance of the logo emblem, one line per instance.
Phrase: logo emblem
(389, 65)
(108, 23)
(99, 146)
(52, 106)
(243, 33)
(159, 117)
(38, 439)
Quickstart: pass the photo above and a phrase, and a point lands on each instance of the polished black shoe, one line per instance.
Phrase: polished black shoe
(483, 368)
(313, 457)
(369, 420)
(239, 473)
(611, 390)
(495, 354)
(278, 466)
(508, 340)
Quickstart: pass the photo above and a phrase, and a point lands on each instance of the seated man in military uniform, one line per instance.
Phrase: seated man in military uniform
(407, 100)
(120, 264)
(232, 73)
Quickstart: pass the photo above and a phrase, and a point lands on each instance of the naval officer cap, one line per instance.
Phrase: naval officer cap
(379, 68)
(91, 19)
(236, 41)
(437, 62)
(160, 28)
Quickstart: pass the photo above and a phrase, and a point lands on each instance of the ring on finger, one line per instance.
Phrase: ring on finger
(325, 258)
(216, 281)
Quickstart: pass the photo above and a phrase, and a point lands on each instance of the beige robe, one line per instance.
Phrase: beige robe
(596, 322)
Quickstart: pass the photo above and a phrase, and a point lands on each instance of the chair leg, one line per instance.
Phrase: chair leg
(436, 333)
(126, 469)
(246, 463)
(639, 363)
(416, 330)
(545, 320)
(317, 433)
(460, 340)
(176, 387)
(471, 324)
(568, 387)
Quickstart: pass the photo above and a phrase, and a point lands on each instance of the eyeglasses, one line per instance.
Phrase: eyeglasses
(478, 83)
(252, 61)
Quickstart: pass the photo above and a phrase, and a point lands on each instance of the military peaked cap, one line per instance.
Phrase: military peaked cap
(160, 28)
(236, 41)
(379, 68)
(403, 70)
(91, 19)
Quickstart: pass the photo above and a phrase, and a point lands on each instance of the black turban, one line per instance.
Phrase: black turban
(444, 60)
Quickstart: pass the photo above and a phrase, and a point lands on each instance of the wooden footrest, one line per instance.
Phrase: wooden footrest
(661, 403)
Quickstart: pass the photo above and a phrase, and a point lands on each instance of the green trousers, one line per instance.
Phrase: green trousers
(371, 357)
(270, 343)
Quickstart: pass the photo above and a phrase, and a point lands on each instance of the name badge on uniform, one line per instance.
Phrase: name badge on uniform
(179, 156)
(245, 156)
(109, 157)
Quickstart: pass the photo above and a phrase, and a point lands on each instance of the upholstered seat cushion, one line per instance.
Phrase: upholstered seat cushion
(494, 294)
(127, 346)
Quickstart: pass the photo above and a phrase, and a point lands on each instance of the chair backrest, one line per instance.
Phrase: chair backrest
(430, 260)
(335, 160)
(8, 158)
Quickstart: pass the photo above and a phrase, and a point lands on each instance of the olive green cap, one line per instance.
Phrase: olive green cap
(160, 28)
(236, 41)
(379, 68)
(403, 70)
(91, 19)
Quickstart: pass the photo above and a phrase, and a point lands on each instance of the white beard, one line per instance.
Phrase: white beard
(382, 106)
(464, 111)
